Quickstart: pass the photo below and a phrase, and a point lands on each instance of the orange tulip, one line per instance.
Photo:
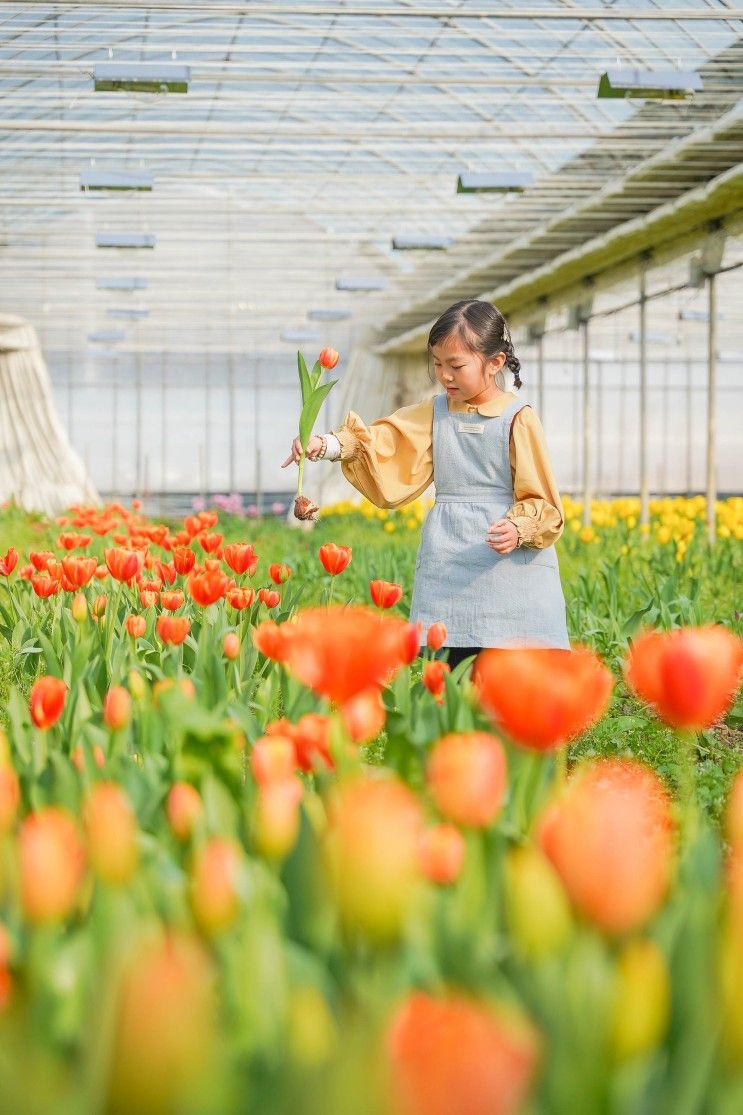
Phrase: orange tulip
(329, 358)
(122, 564)
(436, 636)
(173, 629)
(184, 559)
(239, 556)
(10, 798)
(79, 608)
(385, 594)
(372, 649)
(210, 542)
(99, 605)
(167, 571)
(689, 675)
(455, 1055)
(72, 541)
(241, 598)
(231, 645)
(441, 854)
(311, 735)
(279, 573)
(79, 570)
(136, 626)
(51, 860)
(77, 758)
(374, 830)
(47, 700)
(148, 599)
(466, 777)
(433, 676)
(184, 809)
(273, 758)
(208, 587)
(214, 884)
(9, 562)
(276, 820)
(364, 715)
(610, 838)
(44, 586)
(270, 597)
(410, 642)
(542, 697)
(40, 559)
(111, 833)
(117, 708)
(334, 558)
(172, 599)
(270, 640)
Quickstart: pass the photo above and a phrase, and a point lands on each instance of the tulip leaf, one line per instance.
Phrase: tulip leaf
(310, 411)
(304, 379)
(316, 374)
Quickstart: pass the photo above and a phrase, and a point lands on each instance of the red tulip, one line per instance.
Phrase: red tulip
(454, 1055)
(441, 854)
(411, 639)
(372, 649)
(79, 570)
(9, 562)
(173, 629)
(51, 860)
(172, 599)
(466, 777)
(610, 838)
(231, 645)
(689, 675)
(270, 597)
(311, 735)
(183, 559)
(122, 564)
(210, 542)
(433, 676)
(47, 700)
(270, 640)
(364, 715)
(329, 358)
(239, 556)
(148, 599)
(117, 708)
(385, 594)
(334, 558)
(208, 587)
(240, 598)
(111, 833)
(214, 884)
(279, 573)
(10, 797)
(40, 559)
(44, 586)
(542, 697)
(436, 636)
(272, 758)
(184, 809)
(167, 571)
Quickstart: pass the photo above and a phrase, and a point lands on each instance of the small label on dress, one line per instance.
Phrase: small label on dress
(470, 428)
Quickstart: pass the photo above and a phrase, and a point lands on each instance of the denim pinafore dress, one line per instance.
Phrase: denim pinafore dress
(486, 599)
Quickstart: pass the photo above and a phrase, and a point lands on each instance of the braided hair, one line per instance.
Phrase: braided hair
(482, 328)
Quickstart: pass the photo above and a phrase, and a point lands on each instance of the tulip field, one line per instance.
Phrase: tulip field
(259, 854)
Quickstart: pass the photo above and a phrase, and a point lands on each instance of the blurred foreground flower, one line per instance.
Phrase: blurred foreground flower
(47, 700)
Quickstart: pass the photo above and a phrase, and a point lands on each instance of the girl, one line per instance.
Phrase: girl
(486, 565)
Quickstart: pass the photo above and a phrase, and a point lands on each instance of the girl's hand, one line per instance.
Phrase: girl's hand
(503, 536)
(314, 446)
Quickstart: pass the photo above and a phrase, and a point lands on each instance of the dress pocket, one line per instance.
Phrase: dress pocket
(530, 556)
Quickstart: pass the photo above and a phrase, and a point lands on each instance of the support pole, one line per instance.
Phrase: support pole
(115, 430)
(257, 433)
(689, 430)
(586, 428)
(540, 380)
(163, 428)
(231, 418)
(138, 428)
(643, 418)
(711, 407)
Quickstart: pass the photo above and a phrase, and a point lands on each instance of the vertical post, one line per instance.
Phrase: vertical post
(643, 417)
(586, 428)
(115, 430)
(689, 429)
(665, 407)
(711, 406)
(540, 378)
(231, 417)
(622, 410)
(599, 428)
(70, 393)
(574, 372)
(207, 422)
(202, 474)
(256, 433)
(138, 428)
(163, 428)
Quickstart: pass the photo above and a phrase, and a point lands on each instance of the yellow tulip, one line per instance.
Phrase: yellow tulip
(642, 1000)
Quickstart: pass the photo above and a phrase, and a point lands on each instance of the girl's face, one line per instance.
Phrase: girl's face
(465, 375)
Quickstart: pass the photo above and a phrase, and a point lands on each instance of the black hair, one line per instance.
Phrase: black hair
(482, 328)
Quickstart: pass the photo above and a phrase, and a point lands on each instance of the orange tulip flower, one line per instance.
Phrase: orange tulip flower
(610, 838)
(122, 564)
(208, 587)
(329, 358)
(311, 736)
(9, 562)
(433, 676)
(99, 605)
(172, 599)
(184, 809)
(273, 758)
(385, 594)
(51, 861)
(270, 640)
(436, 636)
(542, 697)
(410, 641)
(372, 649)
(441, 854)
(210, 542)
(466, 777)
(117, 708)
(270, 597)
(276, 818)
(239, 556)
(173, 629)
(231, 645)
(455, 1054)
(364, 715)
(167, 571)
(148, 599)
(279, 573)
(111, 833)
(43, 585)
(40, 559)
(184, 559)
(10, 798)
(47, 700)
(214, 884)
(334, 558)
(689, 676)
(240, 598)
(79, 571)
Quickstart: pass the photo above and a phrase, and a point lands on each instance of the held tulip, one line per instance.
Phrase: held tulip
(436, 636)
(111, 833)
(329, 358)
(466, 777)
(610, 837)
(47, 700)
(542, 697)
(184, 809)
(385, 594)
(51, 862)
(334, 558)
(455, 1055)
(689, 676)
(117, 708)
(441, 854)
(231, 645)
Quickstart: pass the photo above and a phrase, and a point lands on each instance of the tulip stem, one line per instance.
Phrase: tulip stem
(687, 780)
(300, 474)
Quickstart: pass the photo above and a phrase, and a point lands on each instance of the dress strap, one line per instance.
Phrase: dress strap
(508, 415)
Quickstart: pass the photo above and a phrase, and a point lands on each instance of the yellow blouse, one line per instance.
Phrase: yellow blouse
(390, 461)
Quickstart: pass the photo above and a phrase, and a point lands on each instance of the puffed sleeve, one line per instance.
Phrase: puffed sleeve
(537, 510)
(390, 461)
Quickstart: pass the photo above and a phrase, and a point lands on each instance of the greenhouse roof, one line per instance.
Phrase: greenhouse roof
(296, 140)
